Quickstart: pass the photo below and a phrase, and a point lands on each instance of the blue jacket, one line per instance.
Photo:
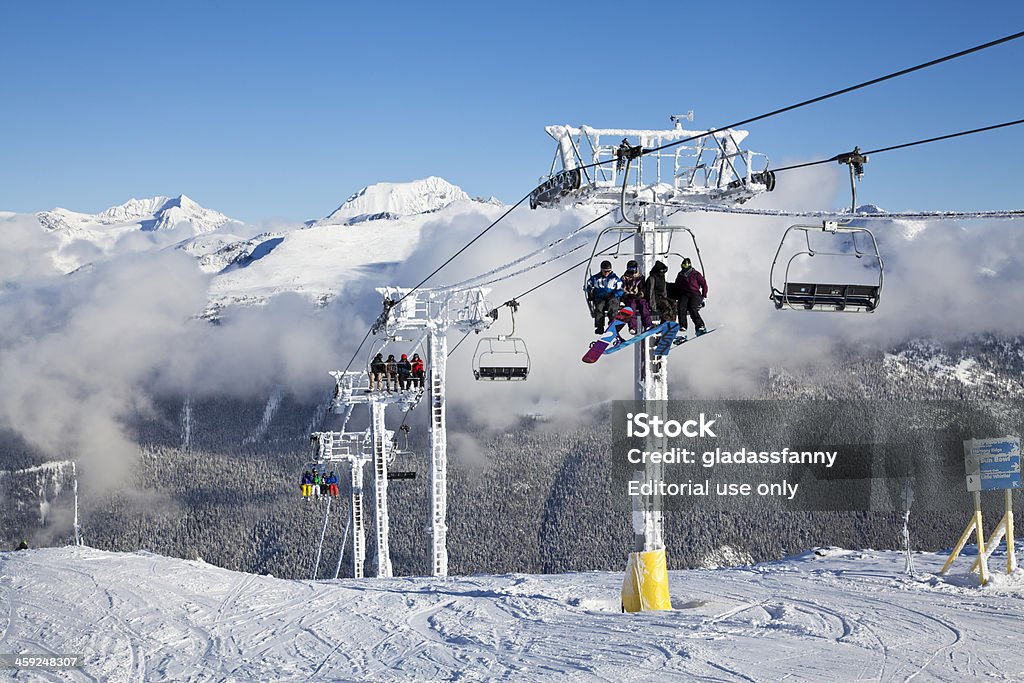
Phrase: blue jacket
(600, 287)
(332, 479)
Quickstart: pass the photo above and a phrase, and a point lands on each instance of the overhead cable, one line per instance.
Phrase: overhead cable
(902, 146)
(836, 93)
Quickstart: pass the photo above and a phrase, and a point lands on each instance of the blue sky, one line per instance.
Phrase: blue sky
(270, 111)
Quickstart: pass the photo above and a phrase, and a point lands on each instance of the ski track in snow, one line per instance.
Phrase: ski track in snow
(848, 616)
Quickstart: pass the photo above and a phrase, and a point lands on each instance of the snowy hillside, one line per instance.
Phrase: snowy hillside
(393, 200)
(319, 261)
(827, 615)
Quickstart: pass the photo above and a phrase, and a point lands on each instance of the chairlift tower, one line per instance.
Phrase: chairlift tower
(646, 184)
(353, 388)
(433, 312)
(348, 448)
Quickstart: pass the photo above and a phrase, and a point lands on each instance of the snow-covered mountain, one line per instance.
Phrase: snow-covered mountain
(84, 238)
(828, 614)
(394, 200)
(384, 223)
(155, 213)
(384, 220)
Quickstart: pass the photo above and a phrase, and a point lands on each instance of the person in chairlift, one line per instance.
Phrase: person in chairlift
(693, 289)
(378, 374)
(391, 370)
(418, 371)
(404, 368)
(657, 293)
(604, 290)
(634, 286)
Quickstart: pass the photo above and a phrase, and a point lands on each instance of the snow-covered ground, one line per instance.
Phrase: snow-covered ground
(837, 616)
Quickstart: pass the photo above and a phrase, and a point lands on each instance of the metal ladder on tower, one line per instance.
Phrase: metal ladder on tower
(358, 533)
(438, 454)
(381, 451)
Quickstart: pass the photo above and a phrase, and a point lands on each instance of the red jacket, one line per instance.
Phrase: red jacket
(691, 282)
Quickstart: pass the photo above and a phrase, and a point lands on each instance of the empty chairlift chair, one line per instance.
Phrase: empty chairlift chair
(817, 288)
(504, 357)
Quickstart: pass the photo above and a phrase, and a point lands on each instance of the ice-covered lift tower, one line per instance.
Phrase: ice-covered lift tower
(713, 168)
(434, 312)
(646, 184)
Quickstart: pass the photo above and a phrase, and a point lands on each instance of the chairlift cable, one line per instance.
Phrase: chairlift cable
(358, 349)
(903, 146)
(835, 93)
(464, 248)
(457, 345)
(833, 215)
(570, 235)
(820, 98)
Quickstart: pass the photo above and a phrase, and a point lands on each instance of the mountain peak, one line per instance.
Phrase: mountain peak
(162, 213)
(393, 200)
(133, 209)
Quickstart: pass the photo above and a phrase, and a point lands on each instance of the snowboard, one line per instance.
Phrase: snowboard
(677, 342)
(664, 343)
(657, 329)
(598, 347)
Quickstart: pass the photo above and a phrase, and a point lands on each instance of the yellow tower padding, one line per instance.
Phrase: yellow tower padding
(645, 587)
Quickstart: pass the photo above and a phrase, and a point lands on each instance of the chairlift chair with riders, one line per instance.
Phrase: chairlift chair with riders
(395, 345)
(821, 293)
(620, 233)
(502, 357)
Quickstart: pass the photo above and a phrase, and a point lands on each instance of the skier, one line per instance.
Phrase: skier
(634, 286)
(418, 371)
(657, 293)
(307, 483)
(332, 483)
(604, 291)
(404, 368)
(693, 289)
(317, 480)
(325, 487)
(378, 373)
(391, 370)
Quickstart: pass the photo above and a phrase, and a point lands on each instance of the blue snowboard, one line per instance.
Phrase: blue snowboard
(657, 329)
(677, 342)
(664, 343)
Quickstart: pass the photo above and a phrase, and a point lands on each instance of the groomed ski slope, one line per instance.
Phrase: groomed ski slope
(843, 616)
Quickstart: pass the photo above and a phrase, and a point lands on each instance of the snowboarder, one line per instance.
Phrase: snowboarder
(634, 287)
(418, 371)
(307, 483)
(332, 484)
(404, 368)
(317, 480)
(391, 370)
(378, 373)
(23, 545)
(657, 293)
(604, 292)
(693, 289)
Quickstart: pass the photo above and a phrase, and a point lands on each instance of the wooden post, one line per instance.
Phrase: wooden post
(959, 545)
(1011, 551)
(982, 560)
